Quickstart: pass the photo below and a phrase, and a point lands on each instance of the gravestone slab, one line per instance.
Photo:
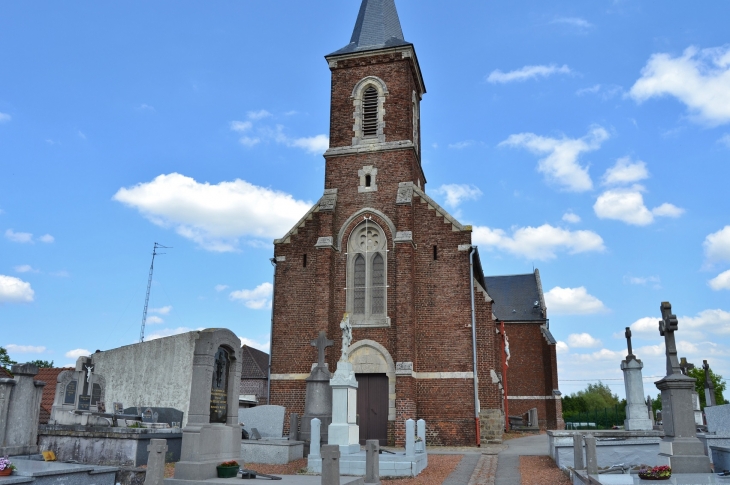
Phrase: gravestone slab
(268, 420)
(718, 419)
(164, 415)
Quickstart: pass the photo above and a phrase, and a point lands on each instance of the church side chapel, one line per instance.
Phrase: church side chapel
(426, 343)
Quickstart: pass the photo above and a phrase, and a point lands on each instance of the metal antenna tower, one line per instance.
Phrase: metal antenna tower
(149, 286)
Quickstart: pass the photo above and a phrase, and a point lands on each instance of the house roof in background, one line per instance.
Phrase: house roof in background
(254, 364)
(49, 375)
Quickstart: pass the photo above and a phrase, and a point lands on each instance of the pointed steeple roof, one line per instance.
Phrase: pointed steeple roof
(377, 27)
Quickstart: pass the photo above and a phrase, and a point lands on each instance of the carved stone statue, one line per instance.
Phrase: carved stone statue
(346, 327)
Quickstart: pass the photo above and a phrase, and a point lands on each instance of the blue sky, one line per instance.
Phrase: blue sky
(588, 139)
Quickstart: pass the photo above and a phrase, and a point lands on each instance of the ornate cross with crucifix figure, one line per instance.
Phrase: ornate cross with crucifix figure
(321, 343)
(685, 366)
(627, 334)
(708, 381)
(667, 326)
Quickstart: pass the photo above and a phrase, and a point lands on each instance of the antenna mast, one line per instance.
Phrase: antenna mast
(149, 286)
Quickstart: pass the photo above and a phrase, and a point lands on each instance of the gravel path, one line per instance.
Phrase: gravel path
(508, 467)
(463, 471)
(541, 470)
(439, 467)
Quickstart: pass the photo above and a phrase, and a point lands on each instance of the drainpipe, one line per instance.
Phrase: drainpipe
(504, 378)
(474, 344)
(271, 333)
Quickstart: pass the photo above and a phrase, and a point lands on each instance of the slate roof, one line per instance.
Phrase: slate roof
(254, 364)
(48, 375)
(517, 298)
(5, 374)
(377, 27)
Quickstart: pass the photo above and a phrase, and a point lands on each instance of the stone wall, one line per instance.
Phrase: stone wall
(491, 425)
(153, 373)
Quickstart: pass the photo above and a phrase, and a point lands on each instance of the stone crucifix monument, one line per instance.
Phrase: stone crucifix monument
(709, 386)
(344, 430)
(680, 446)
(637, 418)
(318, 398)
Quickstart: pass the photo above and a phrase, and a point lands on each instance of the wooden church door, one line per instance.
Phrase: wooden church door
(372, 407)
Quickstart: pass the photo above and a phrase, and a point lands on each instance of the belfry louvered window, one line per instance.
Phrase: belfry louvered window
(370, 112)
(366, 275)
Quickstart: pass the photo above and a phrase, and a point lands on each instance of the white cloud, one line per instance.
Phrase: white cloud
(725, 140)
(4, 117)
(583, 341)
(25, 268)
(47, 238)
(625, 172)
(145, 107)
(591, 90)
(627, 205)
(457, 193)
(538, 242)
(220, 287)
(717, 245)
(641, 280)
(714, 321)
(315, 145)
(15, 290)
(525, 73)
(561, 347)
(572, 301)
(258, 115)
(697, 78)
(561, 166)
(241, 126)
(165, 310)
(60, 274)
(24, 349)
(168, 332)
(573, 21)
(19, 237)
(262, 346)
(721, 281)
(154, 320)
(258, 298)
(76, 353)
(459, 145)
(214, 216)
(571, 217)
(605, 92)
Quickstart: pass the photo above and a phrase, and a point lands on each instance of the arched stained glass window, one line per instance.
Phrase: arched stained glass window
(378, 285)
(367, 287)
(359, 285)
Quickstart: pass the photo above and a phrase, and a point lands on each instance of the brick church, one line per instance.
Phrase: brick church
(428, 326)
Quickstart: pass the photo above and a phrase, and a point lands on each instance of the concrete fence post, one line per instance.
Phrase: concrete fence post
(372, 461)
(578, 463)
(314, 444)
(410, 437)
(331, 465)
(591, 458)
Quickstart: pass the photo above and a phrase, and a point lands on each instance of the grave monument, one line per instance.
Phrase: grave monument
(680, 447)
(343, 430)
(318, 398)
(709, 386)
(20, 406)
(636, 415)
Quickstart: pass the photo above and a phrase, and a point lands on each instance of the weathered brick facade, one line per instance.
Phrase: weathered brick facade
(424, 346)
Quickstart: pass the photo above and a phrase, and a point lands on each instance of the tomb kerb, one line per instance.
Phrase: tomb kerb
(680, 446)
(212, 434)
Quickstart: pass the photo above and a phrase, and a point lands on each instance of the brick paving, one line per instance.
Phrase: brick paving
(485, 471)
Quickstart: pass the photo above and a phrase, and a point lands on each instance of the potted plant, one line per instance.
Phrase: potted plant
(228, 469)
(6, 467)
(657, 473)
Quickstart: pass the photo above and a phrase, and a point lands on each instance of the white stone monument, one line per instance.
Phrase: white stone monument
(637, 417)
(344, 430)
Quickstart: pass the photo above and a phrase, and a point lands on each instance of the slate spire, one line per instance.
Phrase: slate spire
(377, 27)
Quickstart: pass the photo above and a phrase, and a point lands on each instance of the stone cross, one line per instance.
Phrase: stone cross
(709, 386)
(346, 327)
(627, 334)
(321, 343)
(685, 366)
(667, 326)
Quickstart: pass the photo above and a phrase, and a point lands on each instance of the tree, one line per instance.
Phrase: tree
(5, 360)
(699, 374)
(594, 396)
(42, 364)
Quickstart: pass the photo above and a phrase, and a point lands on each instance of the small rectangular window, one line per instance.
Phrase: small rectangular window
(304, 260)
(435, 252)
